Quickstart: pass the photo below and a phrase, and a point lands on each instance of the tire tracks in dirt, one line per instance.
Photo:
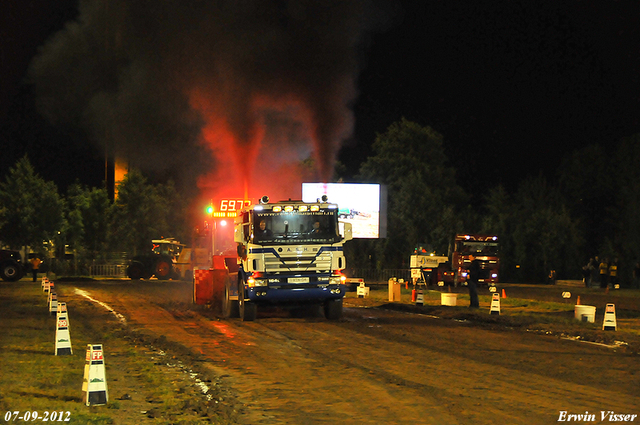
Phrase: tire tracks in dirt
(378, 367)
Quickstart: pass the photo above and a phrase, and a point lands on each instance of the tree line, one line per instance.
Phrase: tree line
(590, 209)
(84, 224)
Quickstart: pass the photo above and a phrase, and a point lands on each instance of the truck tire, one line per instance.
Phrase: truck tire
(333, 309)
(248, 310)
(163, 270)
(10, 271)
(135, 271)
(229, 306)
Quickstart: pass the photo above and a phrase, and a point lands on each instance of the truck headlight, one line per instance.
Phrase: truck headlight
(337, 280)
(252, 282)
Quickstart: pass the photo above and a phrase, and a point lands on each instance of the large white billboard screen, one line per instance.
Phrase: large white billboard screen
(362, 205)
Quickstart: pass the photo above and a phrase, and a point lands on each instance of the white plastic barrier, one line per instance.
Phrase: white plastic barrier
(449, 299)
(585, 313)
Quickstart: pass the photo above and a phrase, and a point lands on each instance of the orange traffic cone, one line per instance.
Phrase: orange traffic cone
(504, 294)
(578, 300)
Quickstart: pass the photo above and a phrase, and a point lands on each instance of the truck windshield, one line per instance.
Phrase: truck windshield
(167, 248)
(296, 227)
(479, 248)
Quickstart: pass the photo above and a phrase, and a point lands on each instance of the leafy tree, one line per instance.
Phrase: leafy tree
(498, 219)
(143, 212)
(74, 230)
(423, 197)
(32, 208)
(95, 218)
(586, 181)
(603, 191)
(174, 208)
(624, 208)
(87, 220)
(543, 234)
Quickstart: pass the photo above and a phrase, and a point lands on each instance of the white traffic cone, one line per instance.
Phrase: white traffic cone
(63, 338)
(362, 290)
(53, 302)
(94, 384)
(495, 304)
(609, 323)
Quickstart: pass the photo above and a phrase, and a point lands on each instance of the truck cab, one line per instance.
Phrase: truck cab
(289, 252)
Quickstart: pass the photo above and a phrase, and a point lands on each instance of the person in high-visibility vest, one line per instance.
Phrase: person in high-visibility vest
(35, 266)
(604, 273)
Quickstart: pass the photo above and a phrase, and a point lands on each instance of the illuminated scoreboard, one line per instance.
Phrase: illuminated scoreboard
(228, 208)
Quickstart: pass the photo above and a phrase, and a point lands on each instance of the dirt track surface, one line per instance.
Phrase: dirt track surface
(378, 366)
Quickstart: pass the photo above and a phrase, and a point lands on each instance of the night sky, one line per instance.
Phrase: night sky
(513, 86)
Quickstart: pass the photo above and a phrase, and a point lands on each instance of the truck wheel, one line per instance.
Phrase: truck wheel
(248, 310)
(135, 271)
(333, 309)
(10, 272)
(229, 306)
(163, 270)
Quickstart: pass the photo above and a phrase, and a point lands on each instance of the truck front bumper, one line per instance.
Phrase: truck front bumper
(301, 293)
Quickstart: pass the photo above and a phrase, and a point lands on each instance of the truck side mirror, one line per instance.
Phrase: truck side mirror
(348, 232)
(238, 234)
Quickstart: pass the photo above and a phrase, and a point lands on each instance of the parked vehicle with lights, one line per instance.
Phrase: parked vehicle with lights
(289, 253)
(482, 247)
(429, 268)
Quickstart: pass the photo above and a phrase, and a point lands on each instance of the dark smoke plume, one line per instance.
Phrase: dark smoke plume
(162, 82)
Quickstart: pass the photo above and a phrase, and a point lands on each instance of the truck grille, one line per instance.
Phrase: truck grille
(321, 262)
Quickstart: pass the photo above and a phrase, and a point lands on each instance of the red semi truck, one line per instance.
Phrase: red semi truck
(483, 248)
(428, 268)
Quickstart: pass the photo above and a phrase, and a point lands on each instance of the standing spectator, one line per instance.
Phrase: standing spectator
(636, 275)
(472, 282)
(604, 273)
(586, 273)
(35, 266)
(595, 264)
(552, 277)
(613, 273)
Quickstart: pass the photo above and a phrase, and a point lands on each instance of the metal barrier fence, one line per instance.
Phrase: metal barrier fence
(108, 270)
(380, 276)
(369, 275)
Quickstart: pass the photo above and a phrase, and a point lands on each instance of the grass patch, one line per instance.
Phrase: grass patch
(141, 386)
(537, 308)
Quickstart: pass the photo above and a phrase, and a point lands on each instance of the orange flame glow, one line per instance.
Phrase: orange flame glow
(256, 160)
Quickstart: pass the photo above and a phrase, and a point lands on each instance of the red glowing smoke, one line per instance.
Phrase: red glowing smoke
(260, 85)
